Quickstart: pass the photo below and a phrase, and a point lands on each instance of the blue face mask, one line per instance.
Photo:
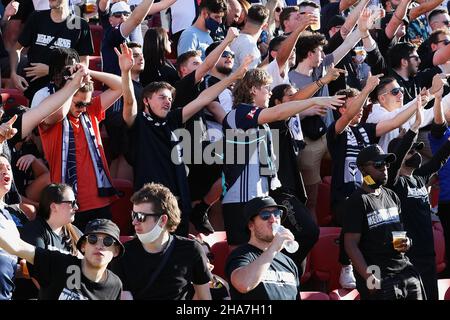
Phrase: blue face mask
(212, 25)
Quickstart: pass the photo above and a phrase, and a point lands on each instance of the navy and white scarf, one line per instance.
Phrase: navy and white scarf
(69, 169)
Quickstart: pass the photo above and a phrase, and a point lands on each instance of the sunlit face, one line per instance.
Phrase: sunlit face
(139, 62)
(98, 255)
(440, 21)
(118, 18)
(80, 102)
(316, 57)
(65, 210)
(389, 99)
(262, 96)
(190, 65)
(6, 176)
(262, 229)
(413, 63)
(160, 102)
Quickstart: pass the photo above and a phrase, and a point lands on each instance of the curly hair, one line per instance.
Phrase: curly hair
(162, 200)
(242, 92)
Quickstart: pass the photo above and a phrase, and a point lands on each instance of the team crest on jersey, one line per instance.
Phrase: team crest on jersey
(251, 114)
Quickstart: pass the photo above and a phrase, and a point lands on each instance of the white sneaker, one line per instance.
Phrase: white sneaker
(347, 279)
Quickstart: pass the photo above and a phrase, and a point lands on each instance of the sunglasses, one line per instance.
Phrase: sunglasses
(395, 91)
(108, 241)
(227, 54)
(414, 57)
(141, 216)
(81, 104)
(73, 203)
(119, 15)
(446, 22)
(378, 164)
(277, 9)
(265, 214)
(445, 41)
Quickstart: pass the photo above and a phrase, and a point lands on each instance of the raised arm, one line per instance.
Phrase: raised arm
(349, 43)
(345, 4)
(286, 47)
(212, 92)
(159, 6)
(137, 16)
(14, 58)
(214, 56)
(394, 123)
(114, 84)
(126, 62)
(356, 104)
(352, 18)
(396, 19)
(288, 109)
(424, 7)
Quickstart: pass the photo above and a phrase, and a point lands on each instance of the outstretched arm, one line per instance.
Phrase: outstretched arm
(126, 62)
(10, 242)
(137, 16)
(396, 19)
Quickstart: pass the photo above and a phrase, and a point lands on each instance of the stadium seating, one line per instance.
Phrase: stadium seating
(220, 250)
(13, 97)
(344, 294)
(121, 208)
(314, 295)
(124, 239)
(97, 36)
(444, 289)
(214, 237)
(95, 63)
(323, 209)
(439, 246)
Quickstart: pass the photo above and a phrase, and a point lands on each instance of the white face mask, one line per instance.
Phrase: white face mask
(152, 235)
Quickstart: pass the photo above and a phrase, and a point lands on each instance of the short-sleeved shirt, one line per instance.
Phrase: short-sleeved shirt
(279, 282)
(51, 138)
(112, 38)
(375, 217)
(192, 38)
(63, 279)
(242, 46)
(243, 181)
(186, 265)
(344, 149)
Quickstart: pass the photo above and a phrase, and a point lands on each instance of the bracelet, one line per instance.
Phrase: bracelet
(319, 83)
(365, 37)
(397, 17)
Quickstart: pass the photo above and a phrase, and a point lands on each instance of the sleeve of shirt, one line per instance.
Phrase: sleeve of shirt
(200, 272)
(84, 46)
(113, 37)
(353, 219)
(175, 118)
(28, 33)
(47, 264)
(332, 137)
(236, 262)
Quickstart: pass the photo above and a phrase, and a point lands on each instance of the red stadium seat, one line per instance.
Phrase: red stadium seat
(439, 246)
(12, 98)
(323, 209)
(97, 37)
(220, 250)
(124, 239)
(325, 258)
(444, 289)
(214, 237)
(121, 208)
(308, 272)
(313, 295)
(434, 194)
(95, 63)
(344, 294)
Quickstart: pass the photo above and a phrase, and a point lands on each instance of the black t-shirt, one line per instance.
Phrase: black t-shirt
(23, 178)
(279, 282)
(185, 266)
(344, 148)
(112, 38)
(56, 272)
(167, 72)
(426, 55)
(150, 151)
(39, 35)
(375, 217)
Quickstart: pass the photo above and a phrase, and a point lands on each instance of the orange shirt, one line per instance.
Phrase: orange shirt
(87, 196)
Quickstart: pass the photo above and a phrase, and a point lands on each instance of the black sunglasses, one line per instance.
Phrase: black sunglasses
(142, 216)
(73, 203)
(378, 164)
(119, 15)
(108, 241)
(227, 54)
(445, 41)
(446, 22)
(395, 91)
(265, 214)
(81, 104)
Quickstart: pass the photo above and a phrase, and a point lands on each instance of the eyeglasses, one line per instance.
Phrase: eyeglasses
(108, 241)
(142, 216)
(81, 104)
(265, 214)
(119, 15)
(395, 91)
(378, 164)
(445, 41)
(446, 22)
(277, 9)
(417, 58)
(73, 203)
(227, 54)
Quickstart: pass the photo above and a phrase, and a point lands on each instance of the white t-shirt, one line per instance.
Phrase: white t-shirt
(40, 95)
(41, 5)
(244, 45)
(380, 114)
(183, 14)
(274, 71)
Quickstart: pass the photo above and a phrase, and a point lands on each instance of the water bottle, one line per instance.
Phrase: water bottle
(291, 246)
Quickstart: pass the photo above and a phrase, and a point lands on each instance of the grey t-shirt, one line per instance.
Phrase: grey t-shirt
(299, 81)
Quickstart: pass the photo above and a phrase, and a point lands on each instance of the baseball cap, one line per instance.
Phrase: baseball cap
(395, 144)
(120, 7)
(374, 153)
(254, 206)
(336, 20)
(102, 226)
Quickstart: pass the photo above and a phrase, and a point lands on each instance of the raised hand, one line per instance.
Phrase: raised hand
(332, 74)
(232, 34)
(37, 70)
(425, 96)
(125, 57)
(25, 162)
(437, 86)
(372, 82)
(11, 9)
(332, 102)
(418, 122)
(243, 68)
(364, 21)
(6, 129)
(305, 20)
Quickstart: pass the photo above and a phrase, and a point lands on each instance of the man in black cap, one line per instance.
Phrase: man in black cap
(373, 214)
(67, 277)
(258, 270)
(409, 179)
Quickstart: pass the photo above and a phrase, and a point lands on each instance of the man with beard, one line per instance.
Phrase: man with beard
(409, 178)
(158, 265)
(373, 213)
(258, 270)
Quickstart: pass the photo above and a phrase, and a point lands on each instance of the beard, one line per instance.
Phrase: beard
(411, 71)
(224, 70)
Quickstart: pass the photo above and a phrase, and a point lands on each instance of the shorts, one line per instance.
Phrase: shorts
(310, 159)
(235, 224)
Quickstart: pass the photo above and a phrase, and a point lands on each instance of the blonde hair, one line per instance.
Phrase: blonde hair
(242, 92)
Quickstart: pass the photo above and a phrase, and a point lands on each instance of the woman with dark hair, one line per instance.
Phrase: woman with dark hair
(157, 67)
